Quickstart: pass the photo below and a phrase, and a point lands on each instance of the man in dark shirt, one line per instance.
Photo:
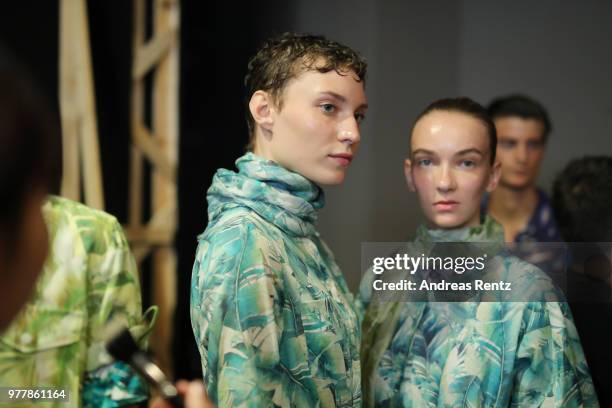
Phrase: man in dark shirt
(523, 209)
(517, 203)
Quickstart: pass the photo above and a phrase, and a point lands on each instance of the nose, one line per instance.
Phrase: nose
(446, 179)
(521, 152)
(349, 132)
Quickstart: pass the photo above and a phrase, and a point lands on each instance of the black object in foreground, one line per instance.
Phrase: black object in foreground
(123, 347)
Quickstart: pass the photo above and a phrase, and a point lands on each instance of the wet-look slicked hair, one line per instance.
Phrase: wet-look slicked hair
(282, 58)
(469, 107)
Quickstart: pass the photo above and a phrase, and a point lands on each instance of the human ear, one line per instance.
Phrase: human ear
(494, 176)
(408, 175)
(262, 110)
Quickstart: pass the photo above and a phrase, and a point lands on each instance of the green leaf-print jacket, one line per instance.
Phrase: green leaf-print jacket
(89, 278)
(475, 354)
(271, 312)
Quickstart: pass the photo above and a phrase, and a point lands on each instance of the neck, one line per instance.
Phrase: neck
(513, 208)
(258, 151)
(512, 202)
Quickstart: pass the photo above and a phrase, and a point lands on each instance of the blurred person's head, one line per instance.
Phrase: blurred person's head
(452, 162)
(305, 101)
(581, 199)
(523, 127)
(28, 166)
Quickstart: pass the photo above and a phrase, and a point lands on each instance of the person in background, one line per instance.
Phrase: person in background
(27, 162)
(523, 127)
(581, 199)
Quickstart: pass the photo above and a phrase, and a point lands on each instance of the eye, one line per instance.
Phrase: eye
(359, 117)
(328, 108)
(468, 164)
(507, 144)
(534, 144)
(424, 162)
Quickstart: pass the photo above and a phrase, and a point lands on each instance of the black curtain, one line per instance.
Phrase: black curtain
(216, 42)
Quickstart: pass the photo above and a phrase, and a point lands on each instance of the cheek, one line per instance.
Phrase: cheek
(311, 123)
(536, 157)
(307, 132)
(423, 181)
(502, 156)
(304, 121)
(475, 185)
(295, 123)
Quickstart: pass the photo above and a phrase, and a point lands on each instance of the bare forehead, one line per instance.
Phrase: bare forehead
(448, 131)
(517, 126)
(326, 78)
(344, 87)
(442, 123)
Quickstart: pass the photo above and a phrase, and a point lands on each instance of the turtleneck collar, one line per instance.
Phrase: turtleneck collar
(286, 199)
(489, 231)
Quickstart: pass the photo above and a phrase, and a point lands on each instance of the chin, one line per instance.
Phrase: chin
(448, 221)
(332, 179)
(516, 184)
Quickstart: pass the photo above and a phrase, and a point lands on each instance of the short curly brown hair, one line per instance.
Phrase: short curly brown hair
(284, 57)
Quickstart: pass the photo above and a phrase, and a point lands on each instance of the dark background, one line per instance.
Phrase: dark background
(212, 130)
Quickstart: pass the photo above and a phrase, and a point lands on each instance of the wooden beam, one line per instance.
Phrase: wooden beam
(160, 147)
(77, 102)
(78, 107)
(149, 236)
(141, 252)
(149, 146)
(151, 53)
(165, 129)
(136, 183)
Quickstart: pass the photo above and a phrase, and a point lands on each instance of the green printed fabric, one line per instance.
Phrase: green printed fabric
(475, 354)
(57, 341)
(271, 312)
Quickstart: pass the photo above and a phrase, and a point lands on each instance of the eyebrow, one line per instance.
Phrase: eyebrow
(422, 151)
(468, 151)
(460, 153)
(340, 98)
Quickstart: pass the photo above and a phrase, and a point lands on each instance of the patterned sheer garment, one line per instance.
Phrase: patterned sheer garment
(89, 278)
(475, 353)
(270, 309)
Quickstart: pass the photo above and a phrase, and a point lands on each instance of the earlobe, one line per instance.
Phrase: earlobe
(408, 175)
(262, 110)
(495, 175)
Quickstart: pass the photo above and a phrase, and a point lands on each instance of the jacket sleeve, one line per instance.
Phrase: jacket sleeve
(113, 293)
(236, 306)
(551, 369)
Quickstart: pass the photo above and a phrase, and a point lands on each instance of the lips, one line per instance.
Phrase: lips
(344, 159)
(446, 205)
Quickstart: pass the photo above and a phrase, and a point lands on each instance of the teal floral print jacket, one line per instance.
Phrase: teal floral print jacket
(472, 353)
(270, 309)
